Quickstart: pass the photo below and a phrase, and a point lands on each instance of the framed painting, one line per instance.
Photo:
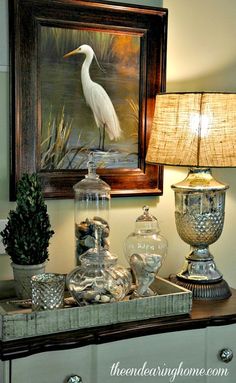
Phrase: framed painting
(84, 76)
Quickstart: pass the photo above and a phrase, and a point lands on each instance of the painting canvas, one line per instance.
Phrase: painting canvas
(71, 128)
(72, 62)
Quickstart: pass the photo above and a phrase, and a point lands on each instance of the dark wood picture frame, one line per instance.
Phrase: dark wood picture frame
(26, 18)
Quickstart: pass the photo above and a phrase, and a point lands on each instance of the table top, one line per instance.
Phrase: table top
(203, 314)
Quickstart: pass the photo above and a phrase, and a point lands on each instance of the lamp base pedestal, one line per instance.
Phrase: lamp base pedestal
(204, 291)
(199, 217)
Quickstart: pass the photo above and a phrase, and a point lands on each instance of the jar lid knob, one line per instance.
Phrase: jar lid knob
(98, 236)
(146, 216)
(91, 167)
(146, 210)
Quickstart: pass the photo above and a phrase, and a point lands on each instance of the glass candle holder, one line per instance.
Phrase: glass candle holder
(47, 291)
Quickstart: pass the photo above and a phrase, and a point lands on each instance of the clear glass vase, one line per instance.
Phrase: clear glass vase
(145, 250)
(98, 279)
(92, 205)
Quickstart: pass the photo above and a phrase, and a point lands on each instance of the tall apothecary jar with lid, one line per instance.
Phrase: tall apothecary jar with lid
(145, 249)
(92, 206)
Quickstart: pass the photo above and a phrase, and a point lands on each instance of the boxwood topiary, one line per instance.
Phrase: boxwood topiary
(28, 230)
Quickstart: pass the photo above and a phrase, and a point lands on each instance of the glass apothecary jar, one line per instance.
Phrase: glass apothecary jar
(98, 279)
(92, 205)
(145, 250)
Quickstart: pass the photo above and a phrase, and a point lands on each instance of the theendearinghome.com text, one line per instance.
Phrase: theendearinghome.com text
(162, 371)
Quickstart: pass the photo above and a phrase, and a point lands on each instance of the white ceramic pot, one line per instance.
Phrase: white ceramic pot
(22, 277)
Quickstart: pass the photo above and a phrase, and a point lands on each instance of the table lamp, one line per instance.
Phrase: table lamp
(197, 130)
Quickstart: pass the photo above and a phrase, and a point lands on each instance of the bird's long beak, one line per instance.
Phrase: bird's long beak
(72, 53)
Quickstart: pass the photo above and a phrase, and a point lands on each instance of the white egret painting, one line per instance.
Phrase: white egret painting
(89, 98)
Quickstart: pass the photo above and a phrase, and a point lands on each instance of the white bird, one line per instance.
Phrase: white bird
(97, 98)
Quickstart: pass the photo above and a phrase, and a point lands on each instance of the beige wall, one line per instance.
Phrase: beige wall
(201, 56)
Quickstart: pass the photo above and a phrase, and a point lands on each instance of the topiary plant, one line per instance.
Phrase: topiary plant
(28, 230)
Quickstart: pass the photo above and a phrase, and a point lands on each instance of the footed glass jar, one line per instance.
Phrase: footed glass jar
(145, 250)
(99, 279)
(92, 205)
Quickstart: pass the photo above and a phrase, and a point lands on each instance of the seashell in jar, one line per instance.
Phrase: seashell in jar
(105, 299)
(90, 295)
(89, 241)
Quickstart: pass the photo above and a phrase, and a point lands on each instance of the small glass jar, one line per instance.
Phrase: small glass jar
(92, 205)
(145, 250)
(98, 279)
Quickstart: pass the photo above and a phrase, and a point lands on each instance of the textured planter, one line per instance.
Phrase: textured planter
(22, 277)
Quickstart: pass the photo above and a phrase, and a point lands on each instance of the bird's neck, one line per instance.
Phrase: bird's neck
(85, 76)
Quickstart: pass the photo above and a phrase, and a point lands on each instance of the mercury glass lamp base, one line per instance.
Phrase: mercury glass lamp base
(204, 291)
(199, 217)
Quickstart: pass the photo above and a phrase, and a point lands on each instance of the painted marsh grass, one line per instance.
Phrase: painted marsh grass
(55, 149)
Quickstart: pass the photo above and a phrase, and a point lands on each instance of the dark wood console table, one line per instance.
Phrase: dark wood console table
(204, 314)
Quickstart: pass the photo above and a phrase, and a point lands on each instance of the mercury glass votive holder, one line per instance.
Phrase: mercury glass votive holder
(47, 291)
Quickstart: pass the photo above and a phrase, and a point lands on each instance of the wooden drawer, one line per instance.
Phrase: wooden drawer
(54, 366)
(218, 338)
(166, 350)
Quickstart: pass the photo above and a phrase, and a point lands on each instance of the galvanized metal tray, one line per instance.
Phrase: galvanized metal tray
(20, 322)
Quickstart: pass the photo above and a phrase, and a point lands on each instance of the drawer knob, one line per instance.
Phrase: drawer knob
(226, 355)
(74, 379)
